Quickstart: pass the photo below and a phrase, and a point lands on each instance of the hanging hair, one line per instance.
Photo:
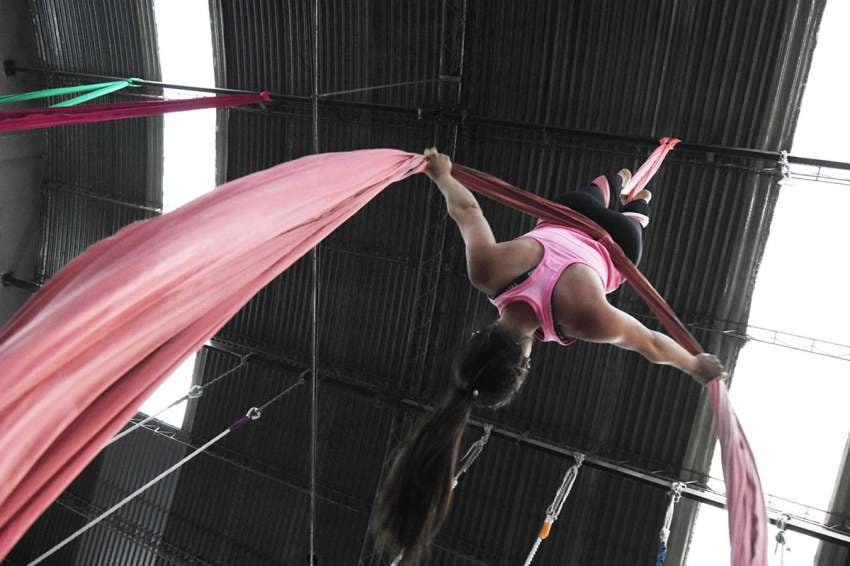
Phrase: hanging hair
(414, 499)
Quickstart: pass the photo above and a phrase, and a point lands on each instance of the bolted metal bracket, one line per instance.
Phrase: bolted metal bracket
(9, 280)
(783, 167)
(195, 392)
(442, 113)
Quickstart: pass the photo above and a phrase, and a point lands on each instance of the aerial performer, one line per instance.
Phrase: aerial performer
(106, 330)
(549, 285)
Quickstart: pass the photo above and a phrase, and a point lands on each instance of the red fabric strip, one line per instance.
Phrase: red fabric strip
(33, 118)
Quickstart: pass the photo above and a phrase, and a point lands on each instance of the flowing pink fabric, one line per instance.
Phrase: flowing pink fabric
(646, 171)
(32, 118)
(84, 352)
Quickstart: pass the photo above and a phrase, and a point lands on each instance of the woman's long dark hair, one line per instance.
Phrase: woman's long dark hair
(414, 499)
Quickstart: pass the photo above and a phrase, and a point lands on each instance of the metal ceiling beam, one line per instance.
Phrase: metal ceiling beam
(779, 338)
(461, 116)
(258, 468)
(133, 532)
(65, 187)
(9, 280)
(694, 493)
(745, 332)
(156, 542)
(140, 534)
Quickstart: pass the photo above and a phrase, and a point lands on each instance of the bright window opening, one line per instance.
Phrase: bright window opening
(793, 404)
(185, 55)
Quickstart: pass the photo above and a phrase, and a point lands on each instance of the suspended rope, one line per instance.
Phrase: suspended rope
(314, 309)
(86, 93)
(781, 542)
(557, 504)
(33, 118)
(675, 494)
(194, 392)
(472, 454)
(253, 414)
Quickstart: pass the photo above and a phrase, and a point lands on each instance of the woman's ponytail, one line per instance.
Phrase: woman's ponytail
(414, 499)
(415, 496)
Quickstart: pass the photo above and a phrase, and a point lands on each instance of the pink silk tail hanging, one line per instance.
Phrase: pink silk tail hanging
(32, 118)
(86, 350)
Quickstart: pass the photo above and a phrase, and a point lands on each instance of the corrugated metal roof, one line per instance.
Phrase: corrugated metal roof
(395, 302)
(99, 36)
(73, 220)
(121, 160)
(120, 473)
(641, 68)
(268, 45)
(118, 160)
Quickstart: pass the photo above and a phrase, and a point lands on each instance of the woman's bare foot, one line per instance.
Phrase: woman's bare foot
(625, 177)
(643, 195)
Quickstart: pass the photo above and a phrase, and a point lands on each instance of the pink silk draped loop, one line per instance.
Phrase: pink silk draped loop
(33, 118)
(84, 352)
(745, 499)
(646, 171)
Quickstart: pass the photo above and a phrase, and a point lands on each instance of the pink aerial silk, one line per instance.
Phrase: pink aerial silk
(744, 497)
(646, 171)
(32, 118)
(83, 353)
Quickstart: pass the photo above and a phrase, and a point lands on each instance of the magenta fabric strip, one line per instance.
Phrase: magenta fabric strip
(83, 353)
(32, 118)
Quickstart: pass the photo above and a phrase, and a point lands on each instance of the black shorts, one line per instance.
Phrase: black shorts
(625, 230)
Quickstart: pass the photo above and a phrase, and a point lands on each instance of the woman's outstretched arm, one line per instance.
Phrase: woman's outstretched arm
(604, 323)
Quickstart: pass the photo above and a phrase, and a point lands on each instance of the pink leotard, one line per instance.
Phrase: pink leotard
(562, 247)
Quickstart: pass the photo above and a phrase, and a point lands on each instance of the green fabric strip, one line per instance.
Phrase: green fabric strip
(106, 89)
(95, 90)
